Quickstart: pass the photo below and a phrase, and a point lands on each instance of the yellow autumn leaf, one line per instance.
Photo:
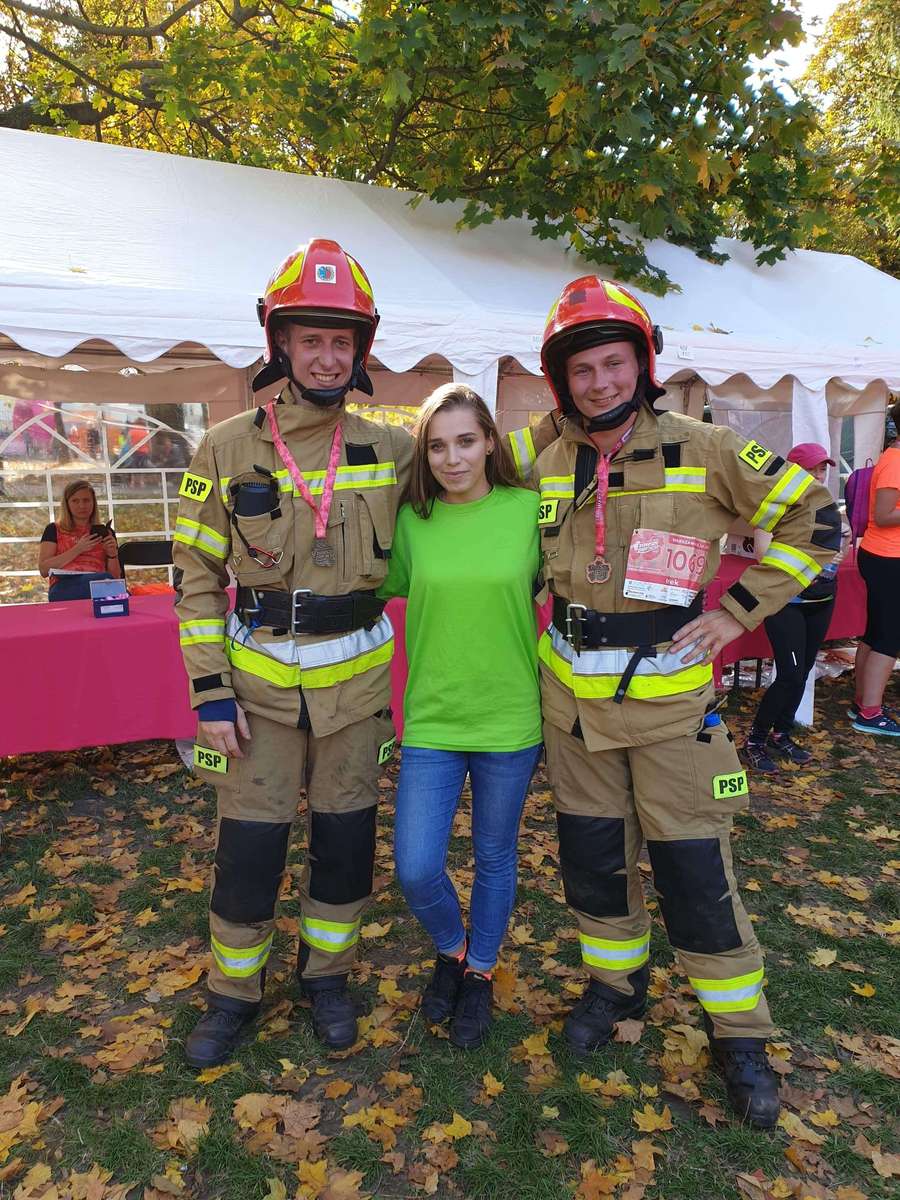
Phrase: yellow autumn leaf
(794, 1126)
(146, 917)
(22, 896)
(337, 1088)
(643, 1151)
(211, 1074)
(557, 103)
(375, 930)
(388, 988)
(826, 1119)
(536, 1044)
(549, 1111)
(864, 989)
(313, 1177)
(823, 957)
(648, 1120)
(492, 1086)
(277, 1190)
(649, 191)
(458, 1128)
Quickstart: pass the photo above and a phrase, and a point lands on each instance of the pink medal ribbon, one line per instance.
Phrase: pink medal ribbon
(322, 554)
(599, 570)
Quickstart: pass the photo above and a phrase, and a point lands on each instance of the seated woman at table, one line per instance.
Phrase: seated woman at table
(796, 633)
(76, 548)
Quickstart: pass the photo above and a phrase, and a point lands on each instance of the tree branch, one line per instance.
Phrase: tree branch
(64, 18)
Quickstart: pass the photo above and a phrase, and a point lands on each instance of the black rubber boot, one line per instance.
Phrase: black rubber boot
(590, 1024)
(472, 1018)
(215, 1037)
(750, 1083)
(442, 991)
(334, 1012)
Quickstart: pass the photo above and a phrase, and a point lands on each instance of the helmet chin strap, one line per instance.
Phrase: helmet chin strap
(614, 418)
(322, 397)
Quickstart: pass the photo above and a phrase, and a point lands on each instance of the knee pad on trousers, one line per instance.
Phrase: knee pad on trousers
(342, 856)
(591, 852)
(689, 877)
(250, 861)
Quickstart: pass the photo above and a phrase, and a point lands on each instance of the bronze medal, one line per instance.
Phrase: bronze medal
(598, 571)
(323, 554)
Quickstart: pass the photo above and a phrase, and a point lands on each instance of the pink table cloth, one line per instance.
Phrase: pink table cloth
(847, 621)
(71, 679)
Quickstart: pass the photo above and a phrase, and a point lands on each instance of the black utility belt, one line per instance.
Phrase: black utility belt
(302, 611)
(586, 629)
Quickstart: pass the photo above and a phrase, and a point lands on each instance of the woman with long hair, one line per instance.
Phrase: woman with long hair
(466, 555)
(76, 548)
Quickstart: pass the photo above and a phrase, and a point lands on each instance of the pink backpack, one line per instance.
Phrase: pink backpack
(857, 492)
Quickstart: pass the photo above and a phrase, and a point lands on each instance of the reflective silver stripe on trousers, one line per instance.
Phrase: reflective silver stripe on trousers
(614, 661)
(321, 654)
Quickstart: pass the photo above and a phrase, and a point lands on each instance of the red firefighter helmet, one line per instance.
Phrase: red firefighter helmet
(319, 284)
(590, 312)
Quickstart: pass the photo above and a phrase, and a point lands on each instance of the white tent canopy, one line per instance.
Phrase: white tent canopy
(150, 251)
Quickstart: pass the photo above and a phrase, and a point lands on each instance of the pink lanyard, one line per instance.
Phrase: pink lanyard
(599, 570)
(323, 554)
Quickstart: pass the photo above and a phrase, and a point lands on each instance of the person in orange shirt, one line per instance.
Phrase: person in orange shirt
(879, 565)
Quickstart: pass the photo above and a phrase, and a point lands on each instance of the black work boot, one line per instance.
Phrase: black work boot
(442, 990)
(472, 1017)
(214, 1038)
(750, 1083)
(589, 1025)
(334, 1012)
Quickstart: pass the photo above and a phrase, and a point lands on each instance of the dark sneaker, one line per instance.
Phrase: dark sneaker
(214, 1038)
(853, 711)
(442, 992)
(756, 757)
(750, 1083)
(591, 1022)
(334, 1011)
(882, 726)
(785, 747)
(472, 1017)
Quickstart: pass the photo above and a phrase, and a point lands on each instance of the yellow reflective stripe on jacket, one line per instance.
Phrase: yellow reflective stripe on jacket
(347, 479)
(192, 533)
(741, 993)
(595, 674)
(788, 490)
(791, 560)
(558, 487)
(209, 629)
(614, 955)
(331, 936)
(678, 479)
(521, 443)
(238, 964)
(289, 664)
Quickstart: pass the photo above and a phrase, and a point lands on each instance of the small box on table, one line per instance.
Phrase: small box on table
(109, 598)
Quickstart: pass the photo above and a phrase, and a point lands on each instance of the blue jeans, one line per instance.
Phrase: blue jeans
(75, 587)
(428, 792)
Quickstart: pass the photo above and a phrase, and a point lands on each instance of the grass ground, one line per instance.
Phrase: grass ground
(103, 875)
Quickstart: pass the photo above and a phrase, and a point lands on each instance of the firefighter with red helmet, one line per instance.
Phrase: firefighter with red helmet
(633, 506)
(292, 688)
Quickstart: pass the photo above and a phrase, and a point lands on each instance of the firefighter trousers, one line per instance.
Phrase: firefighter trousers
(680, 795)
(258, 800)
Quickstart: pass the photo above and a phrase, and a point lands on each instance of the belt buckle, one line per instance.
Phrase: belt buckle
(295, 604)
(574, 621)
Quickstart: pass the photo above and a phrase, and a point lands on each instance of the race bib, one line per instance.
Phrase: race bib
(665, 567)
(210, 760)
(195, 487)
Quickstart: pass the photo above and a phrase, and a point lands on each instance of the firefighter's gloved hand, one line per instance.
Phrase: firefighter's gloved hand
(707, 636)
(220, 722)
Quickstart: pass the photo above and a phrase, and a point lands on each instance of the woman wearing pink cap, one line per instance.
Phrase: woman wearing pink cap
(796, 633)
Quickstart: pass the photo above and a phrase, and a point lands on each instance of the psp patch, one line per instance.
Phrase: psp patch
(210, 760)
(726, 786)
(755, 455)
(385, 750)
(195, 487)
(547, 510)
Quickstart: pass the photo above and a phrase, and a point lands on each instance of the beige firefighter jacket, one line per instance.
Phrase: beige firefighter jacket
(682, 476)
(343, 678)
(527, 443)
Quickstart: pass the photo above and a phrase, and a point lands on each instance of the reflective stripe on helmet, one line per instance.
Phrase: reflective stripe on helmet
(595, 674)
(359, 276)
(321, 664)
(741, 993)
(792, 561)
(193, 533)
(239, 963)
(289, 275)
(209, 629)
(614, 955)
(331, 936)
(622, 297)
(788, 490)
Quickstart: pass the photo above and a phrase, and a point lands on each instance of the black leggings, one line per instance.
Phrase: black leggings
(796, 633)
